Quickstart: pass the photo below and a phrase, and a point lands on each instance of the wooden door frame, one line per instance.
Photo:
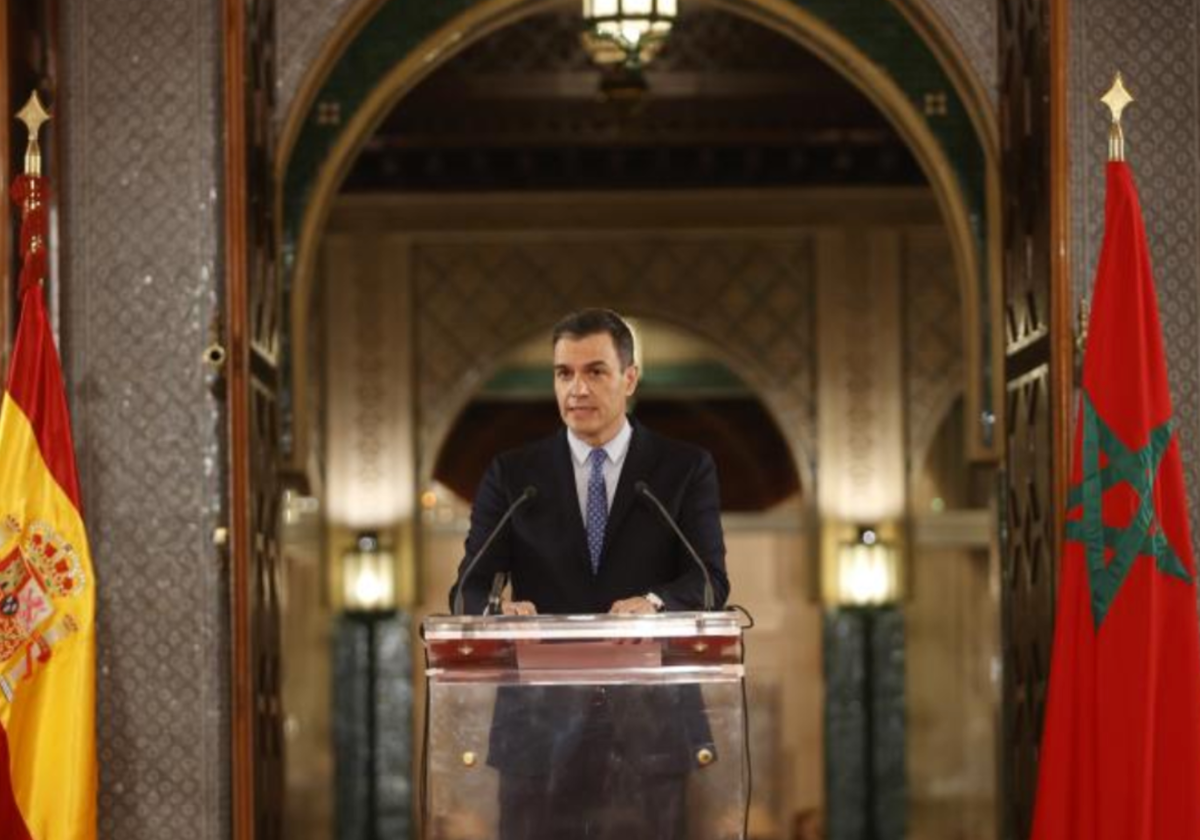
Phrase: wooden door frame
(237, 367)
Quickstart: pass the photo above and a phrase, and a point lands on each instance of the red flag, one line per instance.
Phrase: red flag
(1120, 755)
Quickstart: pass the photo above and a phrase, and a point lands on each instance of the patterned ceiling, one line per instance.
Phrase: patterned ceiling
(729, 103)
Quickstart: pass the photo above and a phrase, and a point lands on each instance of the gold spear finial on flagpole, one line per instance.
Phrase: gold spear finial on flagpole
(1117, 99)
(33, 115)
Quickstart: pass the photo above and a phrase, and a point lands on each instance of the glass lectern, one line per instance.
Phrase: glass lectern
(642, 718)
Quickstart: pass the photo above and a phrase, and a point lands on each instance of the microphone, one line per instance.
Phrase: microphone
(499, 581)
(643, 489)
(526, 495)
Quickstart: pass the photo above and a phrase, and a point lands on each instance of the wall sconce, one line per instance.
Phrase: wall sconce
(867, 572)
(368, 577)
(628, 32)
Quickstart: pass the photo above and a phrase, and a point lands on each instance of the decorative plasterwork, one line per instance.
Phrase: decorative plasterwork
(859, 352)
(749, 295)
(933, 357)
(369, 383)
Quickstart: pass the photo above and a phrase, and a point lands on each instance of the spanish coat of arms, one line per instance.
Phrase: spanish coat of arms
(38, 568)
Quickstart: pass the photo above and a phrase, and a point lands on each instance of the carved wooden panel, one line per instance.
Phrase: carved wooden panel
(253, 312)
(1027, 598)
(1033, 359)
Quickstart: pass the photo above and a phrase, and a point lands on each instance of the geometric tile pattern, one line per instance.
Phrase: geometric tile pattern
(752, 297)
(304, 27)
(973, 25)
(139, 125)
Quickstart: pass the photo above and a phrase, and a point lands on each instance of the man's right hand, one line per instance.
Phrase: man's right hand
(518, 608)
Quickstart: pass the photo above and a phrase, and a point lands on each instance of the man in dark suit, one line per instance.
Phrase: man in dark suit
(612, 762)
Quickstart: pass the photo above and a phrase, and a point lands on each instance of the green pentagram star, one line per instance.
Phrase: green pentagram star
(1142, 536)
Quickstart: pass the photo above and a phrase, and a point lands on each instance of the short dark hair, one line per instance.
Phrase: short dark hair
(594, 321)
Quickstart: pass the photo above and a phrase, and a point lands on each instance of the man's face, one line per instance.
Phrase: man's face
(591, 387)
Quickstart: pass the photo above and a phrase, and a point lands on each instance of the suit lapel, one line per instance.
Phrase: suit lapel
(638, 461)
(564, 471)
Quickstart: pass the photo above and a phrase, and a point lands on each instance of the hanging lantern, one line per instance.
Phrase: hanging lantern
(628, 32)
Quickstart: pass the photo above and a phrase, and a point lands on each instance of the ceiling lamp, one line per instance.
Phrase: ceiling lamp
(626, 32)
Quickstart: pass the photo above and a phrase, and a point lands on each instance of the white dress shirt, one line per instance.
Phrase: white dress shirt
(616, 450)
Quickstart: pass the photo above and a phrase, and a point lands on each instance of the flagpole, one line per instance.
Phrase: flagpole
(33, 115)
(1117, 99)
(48, 785)
(29, 191)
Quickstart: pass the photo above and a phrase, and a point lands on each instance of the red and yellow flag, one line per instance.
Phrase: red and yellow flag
(47, 589)
(1120, 755)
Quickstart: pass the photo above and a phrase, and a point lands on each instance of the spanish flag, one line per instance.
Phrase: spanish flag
(47, 589)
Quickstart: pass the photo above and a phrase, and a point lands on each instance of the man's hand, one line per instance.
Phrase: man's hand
(518, 608)
(633, 606)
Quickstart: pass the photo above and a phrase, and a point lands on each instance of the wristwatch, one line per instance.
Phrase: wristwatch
(655, 601)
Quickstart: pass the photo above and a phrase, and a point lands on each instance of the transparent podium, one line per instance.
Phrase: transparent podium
(588, 726)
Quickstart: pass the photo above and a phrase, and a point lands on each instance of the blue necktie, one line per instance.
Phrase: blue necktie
(597, 508)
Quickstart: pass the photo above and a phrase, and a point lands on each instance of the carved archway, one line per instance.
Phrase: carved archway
(968, 209)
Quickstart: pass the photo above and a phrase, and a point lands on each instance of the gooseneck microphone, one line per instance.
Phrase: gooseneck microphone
(526, 495)
(644, 490)
(495, 597)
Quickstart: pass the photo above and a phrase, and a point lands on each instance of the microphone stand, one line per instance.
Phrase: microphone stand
(644, 489)
(529, 493)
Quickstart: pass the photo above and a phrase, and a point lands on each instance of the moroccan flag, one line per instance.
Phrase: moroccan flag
(1120, 755)
(47, 591)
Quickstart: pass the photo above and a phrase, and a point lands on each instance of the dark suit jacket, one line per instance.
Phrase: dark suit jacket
(539, 730)
(544, 546)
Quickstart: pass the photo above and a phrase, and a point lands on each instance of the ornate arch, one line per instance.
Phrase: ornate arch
(751, 298)
(884, 50)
